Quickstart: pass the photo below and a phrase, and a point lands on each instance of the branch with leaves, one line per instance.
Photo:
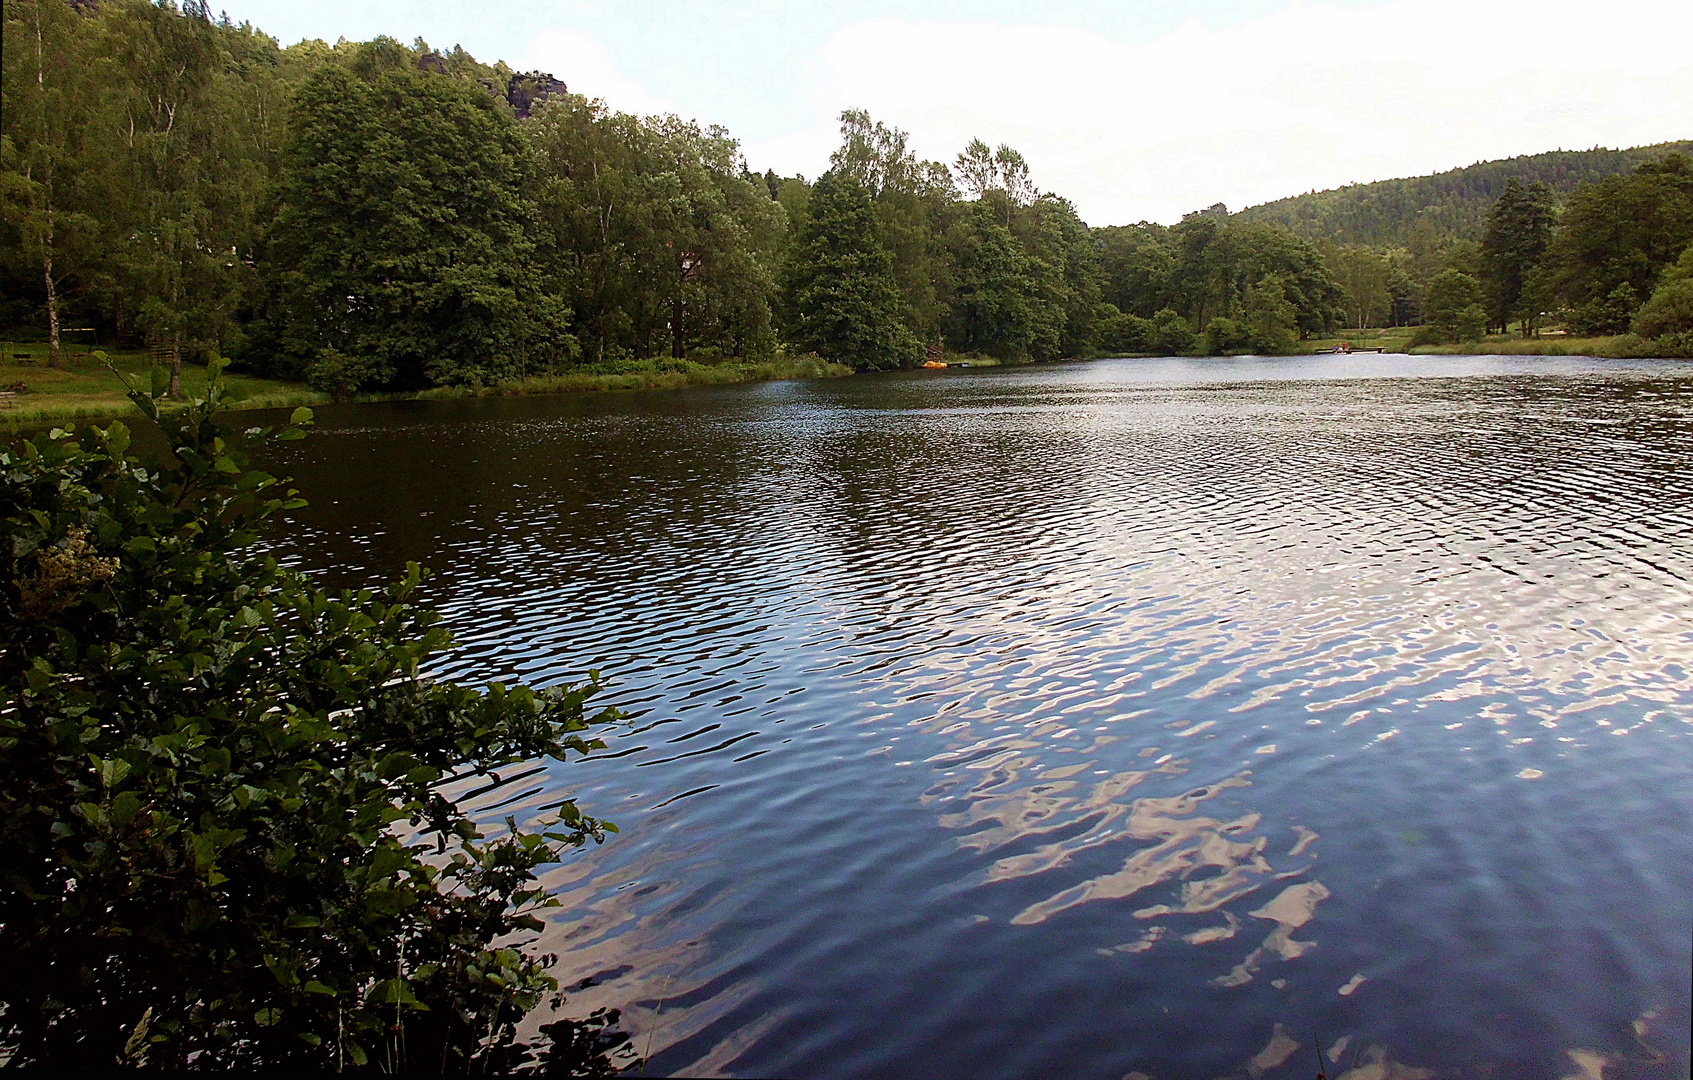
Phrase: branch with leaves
(229, 833)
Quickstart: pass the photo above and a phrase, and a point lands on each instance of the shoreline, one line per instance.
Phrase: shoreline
(84, 389)
(87, 391)
(1396, 340)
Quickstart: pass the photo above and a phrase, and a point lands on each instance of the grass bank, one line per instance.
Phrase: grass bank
(84, 388)
(1613, 347)
(1398, 339)
(654, 374)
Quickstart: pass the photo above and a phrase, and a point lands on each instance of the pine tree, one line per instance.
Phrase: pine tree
(1519, 227)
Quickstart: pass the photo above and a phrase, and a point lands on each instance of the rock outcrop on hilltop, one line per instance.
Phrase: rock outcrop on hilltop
(529, 88)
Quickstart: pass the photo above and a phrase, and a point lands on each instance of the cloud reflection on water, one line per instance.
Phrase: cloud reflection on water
(1101, 654)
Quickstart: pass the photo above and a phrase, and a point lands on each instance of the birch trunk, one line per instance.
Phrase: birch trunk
(52, 307)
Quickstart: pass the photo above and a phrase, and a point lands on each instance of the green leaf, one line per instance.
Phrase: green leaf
(124, 808)
(112, 771)
(386, 863)
(392, 992)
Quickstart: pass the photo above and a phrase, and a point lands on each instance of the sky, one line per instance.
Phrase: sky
(1135, 110)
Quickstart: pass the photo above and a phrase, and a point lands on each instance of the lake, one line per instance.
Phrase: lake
(1085, 720)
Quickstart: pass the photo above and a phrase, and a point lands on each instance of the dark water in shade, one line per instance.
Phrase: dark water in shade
(1085, 720)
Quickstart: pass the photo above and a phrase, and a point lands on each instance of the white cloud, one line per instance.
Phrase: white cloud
(586, 67)
(1311, 96)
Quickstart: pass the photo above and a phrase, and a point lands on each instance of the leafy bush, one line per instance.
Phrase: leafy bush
(1611, 314)
(1450, 295)
(1223, 336)
(228, 827)
(1471, 323)
(1427, 335)
(1116, 332)
(1675, 343)
(1269, 321)
(1170, 333)
(336, 373)
(1670, 309)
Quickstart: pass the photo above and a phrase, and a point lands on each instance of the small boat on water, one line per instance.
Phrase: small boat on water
(934, 364)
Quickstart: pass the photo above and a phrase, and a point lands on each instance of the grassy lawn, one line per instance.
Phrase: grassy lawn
(86, 388)
(1545, 345)
(1397, 339)
(1392, 338)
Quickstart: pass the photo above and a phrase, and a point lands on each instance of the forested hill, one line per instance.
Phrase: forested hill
(1455, 203)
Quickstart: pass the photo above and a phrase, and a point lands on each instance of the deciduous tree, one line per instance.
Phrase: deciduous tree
(401, 233)
(841, 296)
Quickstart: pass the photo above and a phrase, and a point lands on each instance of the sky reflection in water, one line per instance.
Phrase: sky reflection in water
(1135, 716)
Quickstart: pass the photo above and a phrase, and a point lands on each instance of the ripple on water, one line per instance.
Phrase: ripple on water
(1133, 716)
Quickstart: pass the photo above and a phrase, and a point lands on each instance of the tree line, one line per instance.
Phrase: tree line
(1603, 261)
(374, 214)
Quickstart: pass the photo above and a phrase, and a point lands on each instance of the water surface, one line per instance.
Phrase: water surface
(1090, 719)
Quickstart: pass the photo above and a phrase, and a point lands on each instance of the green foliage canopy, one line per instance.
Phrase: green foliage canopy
(1667, 317)
(1621, 231)
(1209, 267)
(1519, 228)
(1451, 296)
(653, 233)
(841, 295)
(401, 233)
(381, 215)
(1455, 203)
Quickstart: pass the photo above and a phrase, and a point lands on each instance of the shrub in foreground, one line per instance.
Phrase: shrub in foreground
(228, 828)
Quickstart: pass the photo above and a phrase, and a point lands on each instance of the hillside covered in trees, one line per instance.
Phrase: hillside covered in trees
(378, 216)
(1455, 203)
